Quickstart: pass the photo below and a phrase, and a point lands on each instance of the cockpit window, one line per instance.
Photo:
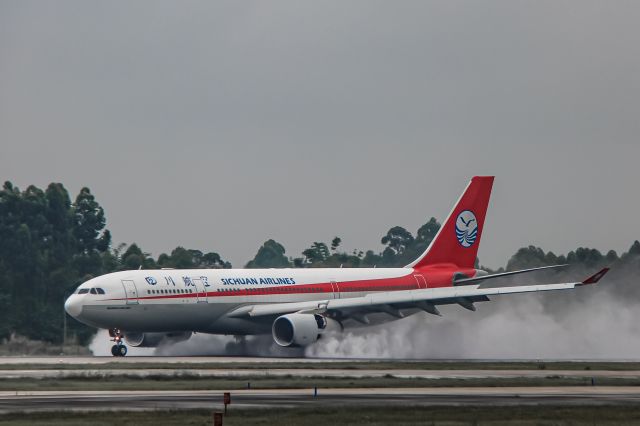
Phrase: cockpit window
(100, 291)
(83, 291)
(93, 291)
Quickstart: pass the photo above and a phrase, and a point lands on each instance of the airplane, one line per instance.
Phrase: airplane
(298, 306)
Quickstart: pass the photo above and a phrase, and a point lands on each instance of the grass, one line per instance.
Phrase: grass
(192, 382)
(350, 365)
(349, 415)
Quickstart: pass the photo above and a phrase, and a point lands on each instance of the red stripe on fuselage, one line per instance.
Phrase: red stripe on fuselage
(436, 276)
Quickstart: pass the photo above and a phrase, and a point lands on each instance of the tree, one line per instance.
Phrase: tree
(427, 232)
(270, 255)
(335, 243)
(212, 260)
(182, 258)
(398, 239)
(528, 257)
(134, 258)
(585, 256)
(371, 259)
(89, 222)
(316, 254)
(633, 253)
(47, 248)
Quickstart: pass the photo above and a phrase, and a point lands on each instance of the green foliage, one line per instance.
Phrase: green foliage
(335, 243)
(182, 258)
(533, 257)
(47, 247)
(398, 239)
(316, 254)
(89, 221)
(134, 258)
(270, 255)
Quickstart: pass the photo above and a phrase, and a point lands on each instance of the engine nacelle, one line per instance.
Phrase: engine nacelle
(301, 329)
(152, 340)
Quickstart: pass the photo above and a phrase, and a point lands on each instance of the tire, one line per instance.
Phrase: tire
(122, 350)
(115, 351)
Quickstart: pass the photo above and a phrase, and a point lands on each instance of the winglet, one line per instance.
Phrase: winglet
(596, 277)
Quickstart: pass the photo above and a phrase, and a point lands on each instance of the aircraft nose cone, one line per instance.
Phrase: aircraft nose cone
(73, 305)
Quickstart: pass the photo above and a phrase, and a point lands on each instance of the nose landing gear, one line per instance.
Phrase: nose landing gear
(119, 349)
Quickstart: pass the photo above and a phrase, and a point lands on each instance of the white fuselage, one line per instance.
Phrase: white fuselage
(171, 300)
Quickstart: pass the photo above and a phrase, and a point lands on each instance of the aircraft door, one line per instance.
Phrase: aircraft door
(130, 291)
(422, 283)
(335, 289)
(201, 291)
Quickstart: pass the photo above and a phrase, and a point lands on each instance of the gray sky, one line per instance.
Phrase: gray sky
(218, 125)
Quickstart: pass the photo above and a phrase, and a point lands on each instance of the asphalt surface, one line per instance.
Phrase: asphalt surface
(152, 400)
(97, 360)
(315, 372)
(11, 401)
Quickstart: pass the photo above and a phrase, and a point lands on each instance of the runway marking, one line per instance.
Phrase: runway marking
(152, 400)
(321, 372)
(476, 391)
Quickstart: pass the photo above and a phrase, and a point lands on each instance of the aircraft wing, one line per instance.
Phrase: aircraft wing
(464, 281)
(392, 302)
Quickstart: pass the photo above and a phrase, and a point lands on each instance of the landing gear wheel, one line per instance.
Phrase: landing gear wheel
(116, 336)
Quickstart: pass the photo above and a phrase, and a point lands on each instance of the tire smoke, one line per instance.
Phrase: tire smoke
(591, 322)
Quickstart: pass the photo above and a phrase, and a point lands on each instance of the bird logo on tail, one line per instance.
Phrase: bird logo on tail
(466, 228)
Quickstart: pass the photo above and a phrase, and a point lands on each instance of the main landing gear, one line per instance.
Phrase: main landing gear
(119, 349)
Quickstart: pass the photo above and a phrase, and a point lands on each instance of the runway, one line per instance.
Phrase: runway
(153, 400)
(315, 372)
(97, 360)
(33, 368)
(230, 367)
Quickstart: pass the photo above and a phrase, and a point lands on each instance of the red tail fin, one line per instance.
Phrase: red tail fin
(458, 239)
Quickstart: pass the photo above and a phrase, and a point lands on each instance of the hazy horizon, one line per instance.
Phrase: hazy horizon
(219, 125)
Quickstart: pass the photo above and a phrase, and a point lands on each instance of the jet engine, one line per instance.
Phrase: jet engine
(301, 329)
(152, 340)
